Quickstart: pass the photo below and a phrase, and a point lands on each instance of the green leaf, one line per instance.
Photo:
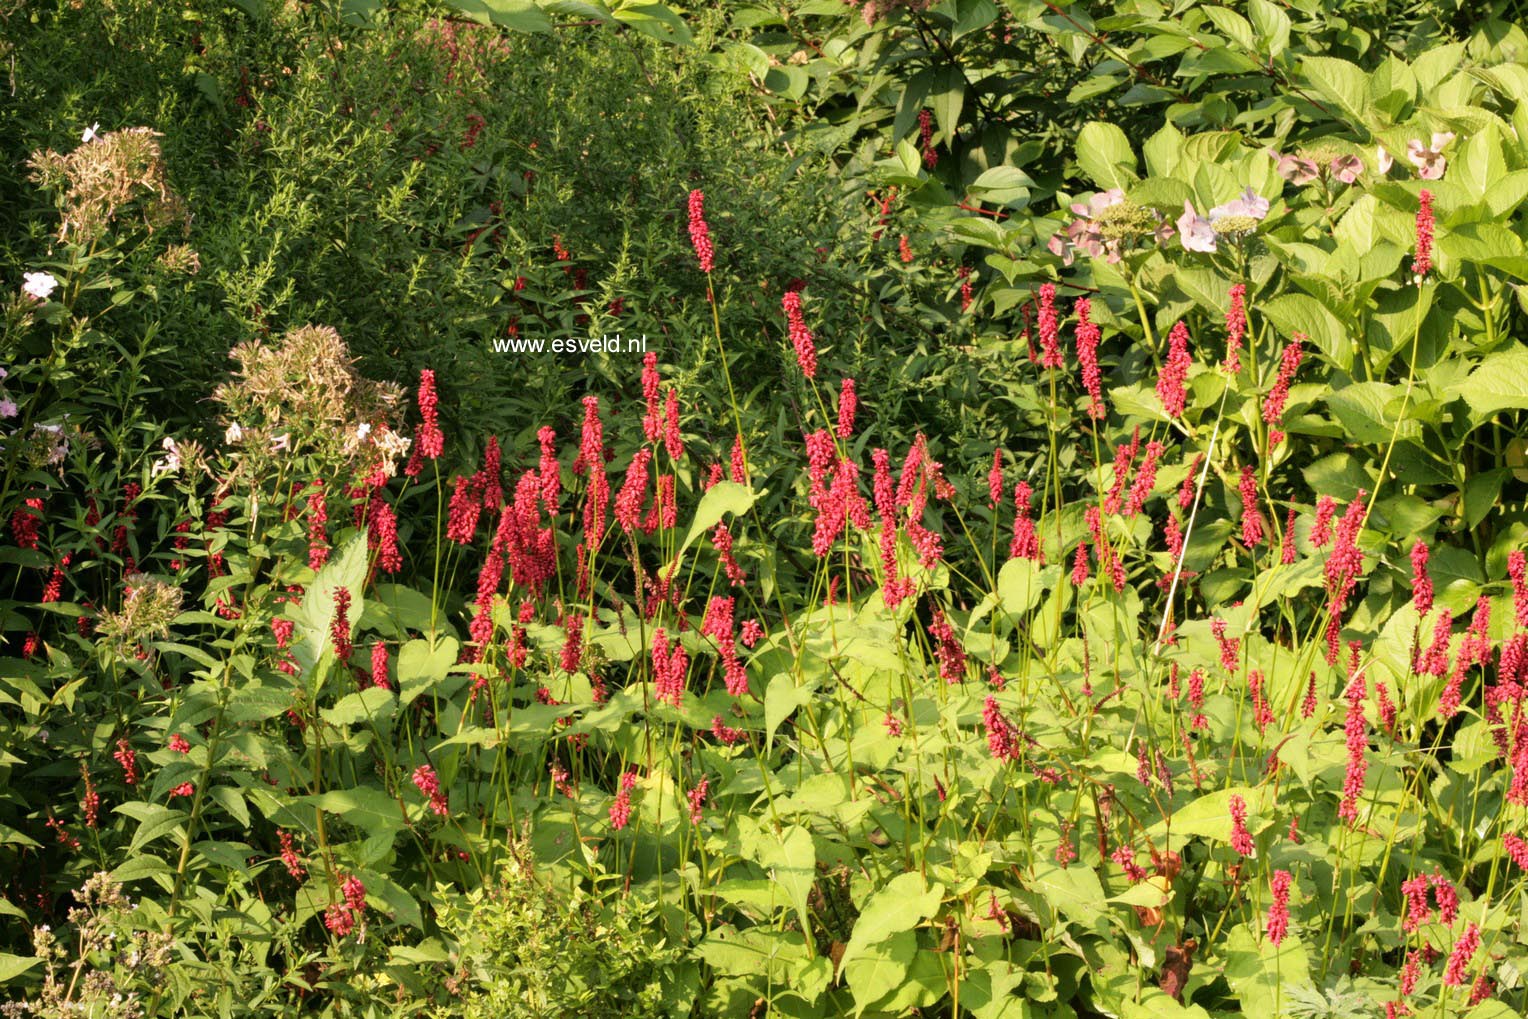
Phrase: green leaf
(154, 821)
(232, 801)
(1153, 893)
(1258, 971)
(420, 667)
(366, 807)
(1369, 410)
(1481, 493)
(370, 705)
(1344, 84)
(911, 102)
(1105, 156)
(1272, 26)
(906, 901)
(756, 951)
(787, 80)
(257, 703)
(1002, 184)
(723, 498)
(882, 969)
(1074, 892)
(315, 615)
(1208, 816)
(1021, 583)
(791, 859)
(782, 697)
(1232, 25)
(1163, 151)
(1297, 313)
(657, 21)
(519, 15)
(12, 966)
(1499, 383)
(947, 96)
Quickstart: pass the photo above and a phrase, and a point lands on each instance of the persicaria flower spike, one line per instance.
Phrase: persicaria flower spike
(1241, 839)
(800, 335)
(1278, 911)
(428, 783)
(848, 403)
(1088, 336)
(700, 231)
(1273, 406)
(1421, 583)
(1459, 958)
(1252, 517)
(1421, 263)
(430, 440)
(1236, 328)
(340, 631)
(1170, 383)
(1050, 331)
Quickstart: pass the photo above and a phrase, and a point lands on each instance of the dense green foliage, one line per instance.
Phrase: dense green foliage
(1066, 558)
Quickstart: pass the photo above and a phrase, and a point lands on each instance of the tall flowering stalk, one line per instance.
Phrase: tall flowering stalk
(700, 232)
(1170, 381)
(800, 335)
(1252, 516)
(1236, 328)
(1273, 406)
(1357, 731)
(1050, 328)
(1088, 336)
(1241, 839)
(1421, 583)
(1278, 910)
(1421, 262)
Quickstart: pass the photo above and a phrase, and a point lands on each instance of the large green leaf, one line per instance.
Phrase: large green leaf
(655, 20)
(520, 15)
(12, 966)
(421, 666)
(1369, 411)
(783, 696)
(947, 96)
(1499, 383)
(1021, 583)
(1261, 974)
(1105, 156)
(791, 859)
(1208, 816)
(1075, 891)
(367, 807)
(1297, 313)
(315, 615)
(901, 905)
(1343, 84)
(723, 498)
(881, 969)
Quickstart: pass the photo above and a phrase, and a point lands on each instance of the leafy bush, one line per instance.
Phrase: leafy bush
(533, 951)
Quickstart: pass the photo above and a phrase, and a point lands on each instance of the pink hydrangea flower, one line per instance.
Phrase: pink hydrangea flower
(1429, 159)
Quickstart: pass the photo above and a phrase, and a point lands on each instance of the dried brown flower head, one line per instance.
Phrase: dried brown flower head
(147, 611)
(303, 395)
(103, 177)
(181, 258)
